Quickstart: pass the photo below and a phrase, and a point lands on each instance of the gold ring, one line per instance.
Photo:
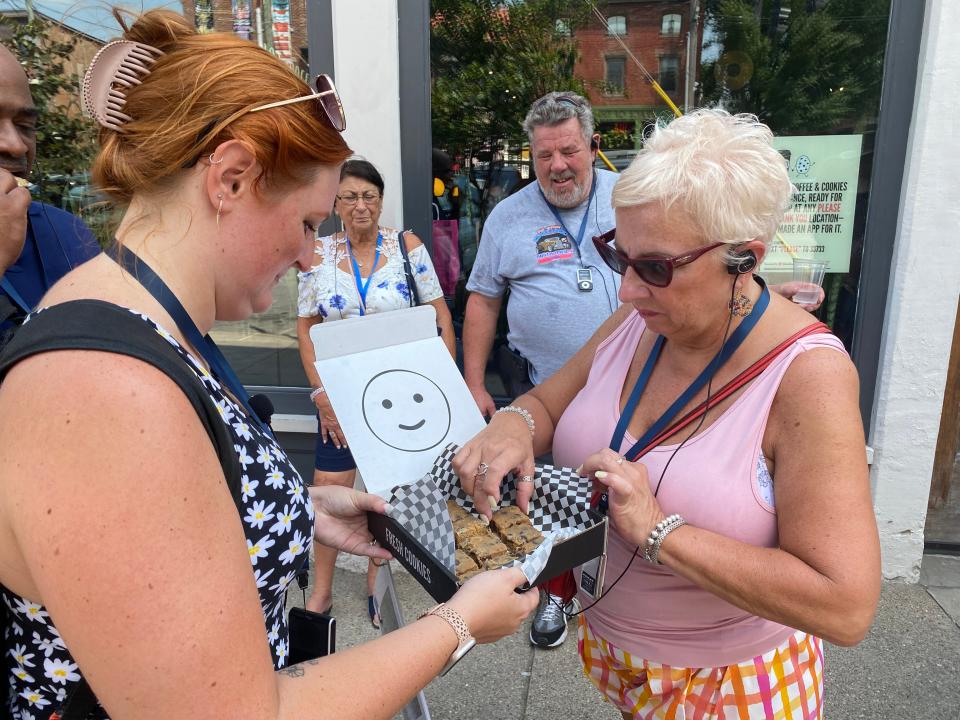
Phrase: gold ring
(620, 460)
(526, 479)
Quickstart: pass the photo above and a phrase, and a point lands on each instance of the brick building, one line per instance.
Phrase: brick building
(283, 23)
(61, 30)
(657, 33)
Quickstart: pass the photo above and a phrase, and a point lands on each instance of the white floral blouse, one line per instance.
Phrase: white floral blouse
(277, 521)
(331, 292)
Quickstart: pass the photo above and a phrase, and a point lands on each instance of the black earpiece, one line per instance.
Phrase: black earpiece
(742, 264)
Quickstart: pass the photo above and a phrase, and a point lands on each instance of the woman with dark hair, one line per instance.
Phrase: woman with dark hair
(150, 523)
(365, 269)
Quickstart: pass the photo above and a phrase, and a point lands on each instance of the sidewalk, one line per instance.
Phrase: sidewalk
(908, 667)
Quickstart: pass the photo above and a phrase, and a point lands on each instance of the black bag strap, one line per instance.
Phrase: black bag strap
(98, 325)
(407, 271)
(102, 326)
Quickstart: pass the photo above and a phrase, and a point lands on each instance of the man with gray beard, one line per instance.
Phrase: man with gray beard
(538, 245)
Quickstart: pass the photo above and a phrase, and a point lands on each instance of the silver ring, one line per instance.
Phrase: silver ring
(620, 460)
(481, 469)
(526, 479)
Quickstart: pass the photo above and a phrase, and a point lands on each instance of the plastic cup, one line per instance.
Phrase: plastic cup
(810, 273)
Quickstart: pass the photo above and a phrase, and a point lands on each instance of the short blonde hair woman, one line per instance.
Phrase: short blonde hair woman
(744, 534)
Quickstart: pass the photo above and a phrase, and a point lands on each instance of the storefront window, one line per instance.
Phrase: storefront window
(812, 70)
(263, 348)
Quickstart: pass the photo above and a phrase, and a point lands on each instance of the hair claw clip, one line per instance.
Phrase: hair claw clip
(123, 63)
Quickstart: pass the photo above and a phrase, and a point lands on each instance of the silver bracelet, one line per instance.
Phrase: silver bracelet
(525, 414)
(316, 391)
(651, 551)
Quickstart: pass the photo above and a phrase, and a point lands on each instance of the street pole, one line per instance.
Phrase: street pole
(693, 47)
(259, 15)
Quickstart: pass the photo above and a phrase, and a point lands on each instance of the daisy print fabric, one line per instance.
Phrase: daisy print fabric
(331, 292)
(277, 519)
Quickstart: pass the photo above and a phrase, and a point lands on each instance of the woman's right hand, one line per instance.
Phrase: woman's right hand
(504, 446)
(490, 607)
(329, 425)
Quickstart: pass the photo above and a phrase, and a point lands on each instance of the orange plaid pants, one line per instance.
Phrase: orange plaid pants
(785, 683)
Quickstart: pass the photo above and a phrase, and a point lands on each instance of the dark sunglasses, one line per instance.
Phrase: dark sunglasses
(329, 101)
(652, 269)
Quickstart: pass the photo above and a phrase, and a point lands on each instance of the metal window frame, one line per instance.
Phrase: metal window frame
(900, 68)
(606, 74)
(668, 56)
(610, 29)
(663, 19)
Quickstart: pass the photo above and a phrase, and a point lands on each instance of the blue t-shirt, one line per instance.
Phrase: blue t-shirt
(56, 243)
(523, 247)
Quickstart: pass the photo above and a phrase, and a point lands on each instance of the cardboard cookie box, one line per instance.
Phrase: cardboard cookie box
(419, 533)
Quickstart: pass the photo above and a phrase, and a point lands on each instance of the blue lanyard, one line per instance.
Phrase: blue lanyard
(203, 344)
(362, 286)
(583, 223)
(728, 349)
(8, 288)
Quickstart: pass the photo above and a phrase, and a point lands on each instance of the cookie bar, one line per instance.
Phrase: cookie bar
(456, 511)
(487, 550)
(466, 528)
(466, 565)
(507, 517)
(521, 539)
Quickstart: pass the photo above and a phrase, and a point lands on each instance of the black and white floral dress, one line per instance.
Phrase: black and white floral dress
(278, 524)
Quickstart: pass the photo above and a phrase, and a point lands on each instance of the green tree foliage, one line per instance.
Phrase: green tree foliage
(65, 139)
(491, 59)
(801, 66)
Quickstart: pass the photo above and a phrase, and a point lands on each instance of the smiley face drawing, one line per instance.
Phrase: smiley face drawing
(406, 411)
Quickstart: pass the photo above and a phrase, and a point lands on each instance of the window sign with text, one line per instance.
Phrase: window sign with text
(819, 223)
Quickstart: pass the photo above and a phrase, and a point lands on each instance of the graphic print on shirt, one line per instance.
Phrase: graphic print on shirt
(552, 244)
(277, 518)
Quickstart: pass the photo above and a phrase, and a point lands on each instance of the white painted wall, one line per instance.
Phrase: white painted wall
(367, 73)
(921, 304)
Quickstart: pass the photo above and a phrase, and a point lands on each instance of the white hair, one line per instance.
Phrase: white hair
(720, 170)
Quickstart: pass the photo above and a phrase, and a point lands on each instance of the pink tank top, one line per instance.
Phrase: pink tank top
(713, 482)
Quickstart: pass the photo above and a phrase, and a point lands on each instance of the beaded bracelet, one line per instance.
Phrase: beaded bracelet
(315, 392)
(651, 552)
(525, 414)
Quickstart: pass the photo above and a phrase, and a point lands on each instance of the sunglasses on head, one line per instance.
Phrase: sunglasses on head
(654, 270)
(329, 101)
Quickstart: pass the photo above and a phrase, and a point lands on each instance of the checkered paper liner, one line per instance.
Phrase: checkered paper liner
(421, 508)
(558, 508)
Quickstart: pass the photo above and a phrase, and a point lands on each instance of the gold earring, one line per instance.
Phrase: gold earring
(740, 305)
(219, 210)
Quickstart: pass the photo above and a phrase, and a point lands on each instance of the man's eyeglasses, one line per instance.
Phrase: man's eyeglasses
(653, 269)
(368, 198)
(329, 101)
